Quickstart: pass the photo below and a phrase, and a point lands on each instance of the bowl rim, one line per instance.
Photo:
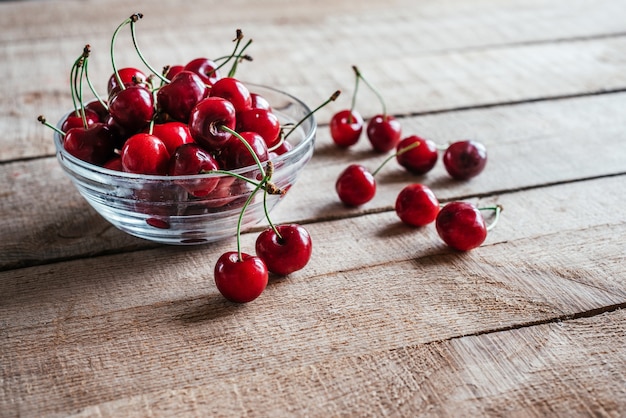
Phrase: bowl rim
(308, 137)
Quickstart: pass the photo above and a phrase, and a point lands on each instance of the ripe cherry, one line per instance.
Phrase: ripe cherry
(132, 108)
(235, 154)
(234, 91)
(465, 159)
(114, 163)
(419, 160)
(129, 76)
(285, 249)
(75, 119)
(180, 96)
(416, 205)
(346, 127)
(261, 121)
(259, 102)
(355, 186)
(240, 279)
(190, 159)
(205, 68)
(173, 135)
(206, 120)
(461, 225)
(145, 154)
(384, 132)
(171, 71)
(94, 145)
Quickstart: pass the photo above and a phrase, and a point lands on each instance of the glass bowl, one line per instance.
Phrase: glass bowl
(160, 209)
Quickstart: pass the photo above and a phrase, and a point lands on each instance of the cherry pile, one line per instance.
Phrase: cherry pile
(185, 120)
(460, 225)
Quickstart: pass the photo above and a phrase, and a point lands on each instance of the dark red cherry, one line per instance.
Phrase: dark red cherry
(261, 121)
(132, 108)
(465, 159)
(173, 134)
(235, 154)
(234, 91)
(100, 108)
(419, 160)
(206, 120)
(75, 120)
(281, 149)
(259, 102)
(173, 70)
(191, 159)
(240, 281)
(355, 186)
(384, 132)
(145, 154)
(205, 68)
(94, 145)
(129, 77)
(461, 226)
(181, 95)
(416, 205)
(114, 163)
(346, 127)
(286, 253)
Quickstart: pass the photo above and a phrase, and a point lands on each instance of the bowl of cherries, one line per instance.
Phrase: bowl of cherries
(186, 155)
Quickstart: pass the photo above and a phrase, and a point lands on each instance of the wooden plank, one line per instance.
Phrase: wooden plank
(525, 150)
(556, 369)
(438, 76)
(154, 319)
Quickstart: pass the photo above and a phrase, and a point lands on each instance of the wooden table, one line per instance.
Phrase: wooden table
(385, 320)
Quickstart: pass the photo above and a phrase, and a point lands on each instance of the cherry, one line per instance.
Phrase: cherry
(240, 279)
(234, 91)
(99, 107)
(114, 163)
(171, 71)
(465, 159)
(145, 154)
(128, 76)
(205, 68)
(346, 127)
(235, 154)
(132, 108)
(190, 159)
(75, 119)
(419, 160)
(384, 132)
(461, 225)
(173, 134)
(259, 102)
(416, 205)
(94, 145)
(285, 249)
(206, 120)
(178, 98)
(355, 186)
(261, 121)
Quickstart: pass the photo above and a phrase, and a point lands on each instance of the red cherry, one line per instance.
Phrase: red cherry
(465, 159)
(419, 160)
(94, 145)
(190, 159)
(132, 108)
(346, 127)
(281, 149)
(234, 91)
(99, 108)
(206, 119)
(416, 205)
(259, 102)
(173, 135)
(240, 280)
(384, 132)
(181, 95)
(145, 154)
(286, 253)
(355, 186)
(173, 70)
(261, 121)
(205, 68)
(128, 75)
(235, 154)
(115, 163)
(75, 120)
(461, 226)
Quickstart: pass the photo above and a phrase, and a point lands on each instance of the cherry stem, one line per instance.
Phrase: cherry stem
(380, 98)
(113, 38)
(497, 209)
(400, 152)
(248, 146)
(269, 187)
(268, 177)
(133, 20)
(240, 219)
(44, 122)
(92, 88)
(332, 98)
(85, 58)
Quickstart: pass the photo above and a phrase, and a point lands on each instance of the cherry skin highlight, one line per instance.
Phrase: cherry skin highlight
(416, 205)
(240, 281)
(465, 159)
(355, 186)
(286, 253)
(461, 226)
